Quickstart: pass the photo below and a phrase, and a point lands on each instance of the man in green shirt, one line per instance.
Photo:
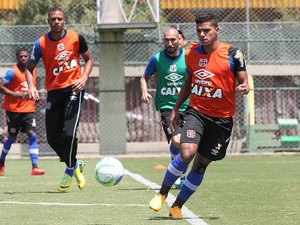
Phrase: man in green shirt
(168, 67)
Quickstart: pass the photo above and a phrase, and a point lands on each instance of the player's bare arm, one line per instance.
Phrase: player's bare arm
(146, 97)
(16, 94)
(243, 87)
(33, 93)
(79, 84)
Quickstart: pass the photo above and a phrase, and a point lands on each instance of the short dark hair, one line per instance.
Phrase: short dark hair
(21, 50)
(207, 17)
(181, 33)
(55, 8)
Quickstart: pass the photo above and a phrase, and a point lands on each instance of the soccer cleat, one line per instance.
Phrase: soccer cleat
(175, 212)
(37, 171)
(179, 182)
(81, 165)
(65, 183)
(157, 202)
(2, 170)
(79, 178)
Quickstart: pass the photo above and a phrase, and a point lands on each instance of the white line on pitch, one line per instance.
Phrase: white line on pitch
(187, 214)
(68, 204)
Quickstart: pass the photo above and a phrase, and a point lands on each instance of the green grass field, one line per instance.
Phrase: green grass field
(242, 190)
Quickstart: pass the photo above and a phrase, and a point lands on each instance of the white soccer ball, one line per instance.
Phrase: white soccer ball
(109, 171)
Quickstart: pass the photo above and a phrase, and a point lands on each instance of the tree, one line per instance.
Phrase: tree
(35, 12)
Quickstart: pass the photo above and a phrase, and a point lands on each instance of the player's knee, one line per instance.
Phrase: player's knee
(188, 151)
(186, 155)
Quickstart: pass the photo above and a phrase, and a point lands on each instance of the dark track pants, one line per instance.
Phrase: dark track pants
(62, 120)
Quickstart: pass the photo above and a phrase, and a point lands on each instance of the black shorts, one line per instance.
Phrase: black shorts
(211, 134)
(20, 122)
(165, 115)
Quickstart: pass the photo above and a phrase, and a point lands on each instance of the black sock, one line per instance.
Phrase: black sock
(164, 190)
(178, 202)
(34, 166)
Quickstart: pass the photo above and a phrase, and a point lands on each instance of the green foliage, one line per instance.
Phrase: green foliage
(35, 12)
(288, 14)
(32, 12)
(79, 12)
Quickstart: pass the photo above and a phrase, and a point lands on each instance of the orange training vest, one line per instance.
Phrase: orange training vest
(213, 83)
(61, 60)
(18, 83)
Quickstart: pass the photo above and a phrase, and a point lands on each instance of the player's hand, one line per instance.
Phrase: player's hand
(20, 94)
(25, 95)
(33, 94)
(146, 98)
(243, 89)
(78, 85)
(174, 119)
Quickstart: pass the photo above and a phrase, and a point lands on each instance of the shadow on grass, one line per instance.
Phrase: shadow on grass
(210, 218)
(133, 189)
(161, 218)
(185, 218)
(143, 189)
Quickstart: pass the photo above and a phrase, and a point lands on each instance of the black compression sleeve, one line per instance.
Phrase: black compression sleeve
(82, 44)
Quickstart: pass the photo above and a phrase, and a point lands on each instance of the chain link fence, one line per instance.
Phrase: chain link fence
(267, 32)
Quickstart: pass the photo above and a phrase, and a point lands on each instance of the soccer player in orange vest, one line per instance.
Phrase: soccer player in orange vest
(19, 111)
(60, 50)
(213, 68)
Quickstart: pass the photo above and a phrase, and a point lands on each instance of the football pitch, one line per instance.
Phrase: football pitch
(239, 190)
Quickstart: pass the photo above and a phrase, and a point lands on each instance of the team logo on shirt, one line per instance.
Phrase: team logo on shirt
(63, 56)
(173, 68)
(203, 62)
(191, 133)
(207, 92)
(216, 150)
(172, 88)
(60, 47)
(24, 86)
(203, 74)
(64, 62)
(174, 77)
(202, 87)
(48, 105)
